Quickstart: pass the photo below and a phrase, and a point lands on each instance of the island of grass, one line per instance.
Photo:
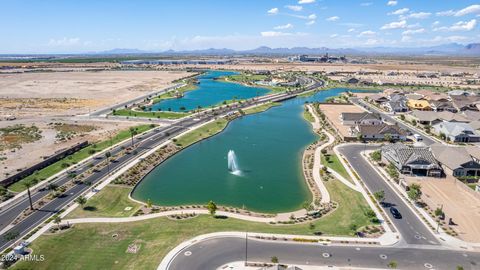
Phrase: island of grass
(93, 246)
(179, 92)
(332, 161)
(74, 158)
(150, 114)
(112, 201)
(250, 79)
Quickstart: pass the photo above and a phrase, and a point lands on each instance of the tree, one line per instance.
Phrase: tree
(414, 122)
(459, 267)
(27, 185)
(376, 156)
(108, 155)
(388, 137)
(428, 128)
(133, 132)
(212, 208)
(414, 192)
(274, 259)
(392, 264)
(57, 220)
(379, 195)
(402, 117)
(81, 200)
(149, 203)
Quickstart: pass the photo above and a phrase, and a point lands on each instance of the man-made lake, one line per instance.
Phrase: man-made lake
(209, 92)
(268, 147)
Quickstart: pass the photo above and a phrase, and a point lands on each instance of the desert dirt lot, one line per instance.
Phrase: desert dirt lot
(333, 112)
(44, 98)
(67, 93)
(459, 203)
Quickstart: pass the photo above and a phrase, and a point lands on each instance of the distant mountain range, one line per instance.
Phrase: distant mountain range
(450, 49)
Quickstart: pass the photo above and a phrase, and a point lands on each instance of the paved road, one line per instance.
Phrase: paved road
(389, 118)
(143, 144)
(213, 253)
(412, 230)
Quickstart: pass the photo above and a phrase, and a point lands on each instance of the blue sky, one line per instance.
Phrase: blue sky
(68, 26)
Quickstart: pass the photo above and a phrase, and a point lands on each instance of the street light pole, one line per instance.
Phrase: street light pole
(246, 248)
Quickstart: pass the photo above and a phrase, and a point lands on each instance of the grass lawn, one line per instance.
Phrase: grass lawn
(75, 158)
(308, 116)
(262, 107)
(202, 132)
(91, 246)
(110, 202)
(156, 114)
(335, 164)
(171, 94)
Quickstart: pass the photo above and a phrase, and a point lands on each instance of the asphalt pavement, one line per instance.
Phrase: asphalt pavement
(216, 252)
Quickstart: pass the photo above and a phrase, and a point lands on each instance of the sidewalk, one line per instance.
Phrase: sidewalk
(317, 164)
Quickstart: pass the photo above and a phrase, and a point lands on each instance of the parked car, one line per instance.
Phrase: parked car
(395, 213)
(417, 137)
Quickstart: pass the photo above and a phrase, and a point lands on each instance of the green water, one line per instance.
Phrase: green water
(269, 148)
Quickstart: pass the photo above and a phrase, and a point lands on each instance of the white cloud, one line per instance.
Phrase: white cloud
(366, 33)
(64, 42)
(333, 18)
(301, 2)
(351, 30)
(273, 11)
(446, 13)
(413, 32)
(399, 11)
(274, 34)
(406, 39)
(436, 23)
(312, 17)
(392, 3)
(459, 26)
(312, 22)
(473, 9)
(419, 15)
(334, 35)
(371, 41)
(366, 4)
(294, 8)
(394, 25)
(285, 26)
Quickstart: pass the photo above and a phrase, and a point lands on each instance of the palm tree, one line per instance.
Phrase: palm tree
(108, 155)
(133, 132)
(28, 185)
(57, 220)
(81, 200)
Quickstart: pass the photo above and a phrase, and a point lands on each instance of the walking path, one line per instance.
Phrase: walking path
(317, 165)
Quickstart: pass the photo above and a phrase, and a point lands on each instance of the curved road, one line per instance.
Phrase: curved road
(216, 252)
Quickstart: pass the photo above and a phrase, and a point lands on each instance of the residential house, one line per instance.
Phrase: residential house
(464, 103)
(459, 93)
(421, 105)
(411, 160)
(397, 103)
(352, 80)
(378, 98)
(440, 106)
(458, 161)
(379, 132)
(431, 118)
(433, 96)
(414, 96)
(457, 132)
(365, 118)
